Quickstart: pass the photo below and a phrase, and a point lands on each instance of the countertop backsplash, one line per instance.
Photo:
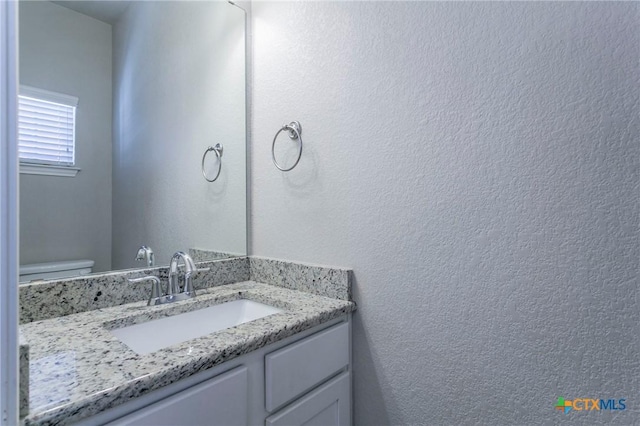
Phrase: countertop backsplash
(42, 300)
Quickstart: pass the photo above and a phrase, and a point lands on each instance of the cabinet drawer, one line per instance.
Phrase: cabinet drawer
(297, 368)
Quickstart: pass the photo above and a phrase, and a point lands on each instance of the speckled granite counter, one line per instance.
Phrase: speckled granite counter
(78, 368)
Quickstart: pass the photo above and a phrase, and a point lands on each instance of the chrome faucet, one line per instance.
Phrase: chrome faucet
(145, 253)
(189, 269)
(173, 293)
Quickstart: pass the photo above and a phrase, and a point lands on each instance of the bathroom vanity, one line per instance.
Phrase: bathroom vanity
(288, 367)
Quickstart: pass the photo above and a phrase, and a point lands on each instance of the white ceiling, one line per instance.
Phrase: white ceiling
(104, 10)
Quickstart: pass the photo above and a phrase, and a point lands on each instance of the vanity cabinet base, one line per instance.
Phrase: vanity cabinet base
(233, 393)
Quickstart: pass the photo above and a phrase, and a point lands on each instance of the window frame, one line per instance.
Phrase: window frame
(41, 167)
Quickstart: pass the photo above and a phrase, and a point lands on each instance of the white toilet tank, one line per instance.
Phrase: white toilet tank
(53, 270)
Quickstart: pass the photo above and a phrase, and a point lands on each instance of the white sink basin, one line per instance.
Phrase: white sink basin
(161, 333)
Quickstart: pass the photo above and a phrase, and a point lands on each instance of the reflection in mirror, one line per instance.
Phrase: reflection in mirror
(156, 84)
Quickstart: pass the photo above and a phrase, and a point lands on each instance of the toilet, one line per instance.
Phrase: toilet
(53, 270)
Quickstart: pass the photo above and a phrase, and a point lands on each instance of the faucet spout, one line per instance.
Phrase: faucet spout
(189, 269)
(145, 253)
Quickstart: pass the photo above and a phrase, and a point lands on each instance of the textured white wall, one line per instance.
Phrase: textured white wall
(476, 164)
(69, 218)
(179, 86)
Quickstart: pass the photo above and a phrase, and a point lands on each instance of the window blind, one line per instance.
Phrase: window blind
(46, 127)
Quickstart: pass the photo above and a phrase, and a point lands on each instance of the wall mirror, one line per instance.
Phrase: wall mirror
(156, 83)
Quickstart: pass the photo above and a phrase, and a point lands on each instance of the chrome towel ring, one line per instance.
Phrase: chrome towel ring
(218, 150)
(295, 132)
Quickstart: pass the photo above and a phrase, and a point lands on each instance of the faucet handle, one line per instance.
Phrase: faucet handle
(188, 280)
(155, 287)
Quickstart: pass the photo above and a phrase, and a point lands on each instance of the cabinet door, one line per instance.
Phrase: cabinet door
(221, 400)
(292, 371)
(329, 405)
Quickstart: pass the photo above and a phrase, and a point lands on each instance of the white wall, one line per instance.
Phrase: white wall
(476, 164)
(69, 218)
(179, 81)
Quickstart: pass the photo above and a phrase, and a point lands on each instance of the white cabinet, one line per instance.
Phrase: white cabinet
(304, 379)
(219, 401)
(301, 366)
(329, 405)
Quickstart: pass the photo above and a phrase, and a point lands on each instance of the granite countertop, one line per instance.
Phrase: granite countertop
(78, 368)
